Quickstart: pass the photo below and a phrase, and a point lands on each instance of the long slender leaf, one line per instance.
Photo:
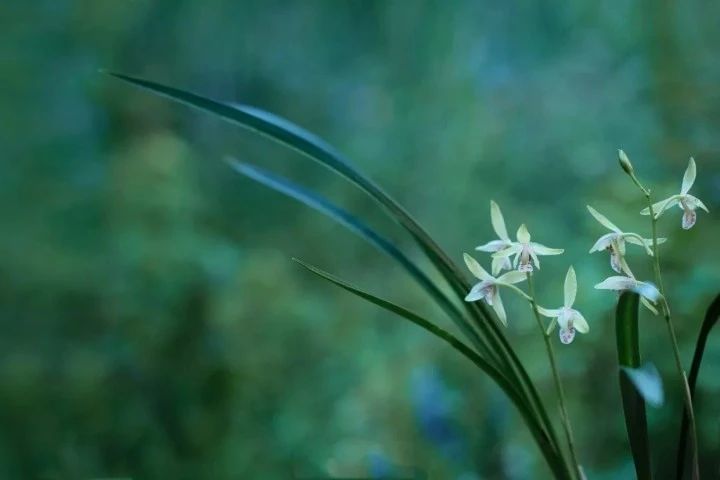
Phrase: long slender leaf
(628, 347)
(711, 319)
(296, 138)
(356, 226)
(554, 459)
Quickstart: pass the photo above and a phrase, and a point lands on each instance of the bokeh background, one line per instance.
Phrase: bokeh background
(153, 323)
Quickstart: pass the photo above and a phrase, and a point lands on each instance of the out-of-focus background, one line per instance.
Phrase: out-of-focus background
(153, 323)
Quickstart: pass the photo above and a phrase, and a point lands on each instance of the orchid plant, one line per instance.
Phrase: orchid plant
(477, 308)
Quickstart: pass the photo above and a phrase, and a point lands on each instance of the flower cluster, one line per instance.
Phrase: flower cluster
(525, 260)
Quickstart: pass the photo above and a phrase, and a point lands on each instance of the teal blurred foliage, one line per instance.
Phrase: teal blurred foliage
(153, 324)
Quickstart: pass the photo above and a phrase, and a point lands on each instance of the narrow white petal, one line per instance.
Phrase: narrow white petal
(475, 293)
(523, 236)
(512, 249)
(688, 219)
(603, 219)
(617, 282)
(499, 308)
(534, 257)
(636, 239)
(603, 242)
(548, 312)
(543, 250)
(498, 222)
(475, 268)
(579, 322)
(646, 303)
(689, 177)
(498, 264)
(695, 202)
(570, 287)
(661, 206)
(493, 246)
(511, 278)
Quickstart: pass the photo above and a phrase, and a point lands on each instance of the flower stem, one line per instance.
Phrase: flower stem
(687, 396)
(577, 473)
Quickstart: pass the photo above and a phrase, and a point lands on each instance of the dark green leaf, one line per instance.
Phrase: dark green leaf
(554, 459)
(711, 319)
(628, 347)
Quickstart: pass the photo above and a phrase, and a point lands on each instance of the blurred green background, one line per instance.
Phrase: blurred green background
(153, 324)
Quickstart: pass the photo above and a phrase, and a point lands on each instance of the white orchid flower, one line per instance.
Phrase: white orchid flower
(614, 242)
(498, 223)
(649, 294)
(569, 319)
(488, 287)
(684, 200)
(526, 252)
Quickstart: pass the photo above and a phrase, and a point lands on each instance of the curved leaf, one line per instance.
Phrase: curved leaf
(554, 459)
(711, 319)
(356, 226)
(628, 347)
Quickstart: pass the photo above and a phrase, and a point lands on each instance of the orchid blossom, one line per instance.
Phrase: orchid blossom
(487, 289)
(649, 294)
(526, 252)
(569, 319)
(614, 242)
(498, 223)
(684, 200)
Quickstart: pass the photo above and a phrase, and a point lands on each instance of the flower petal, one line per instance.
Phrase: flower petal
(511, 278)
(617, 282)
(579, 322)
(498, 222)
(689, 177)
(534, 257)
(603, 219)
(567, 335)
(523, 236)
(603, 242)
(493, 246)
(646, 303)
(647, 290)
(661, 206)
(570, 287)
(548, 312)
(543, 250)
(475, 292)
(695, 202)
(688, 219)
(512, 249)
(498, 307)
(475, 268)
(564, 318)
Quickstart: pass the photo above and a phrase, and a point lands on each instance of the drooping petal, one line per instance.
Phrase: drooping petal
(688, 219)
(498, 222)
(478, 291)
(523, 236)
(616, 261)
(661, 206)
(500, 263)
(647, 290)
(694, 202)
(548, 312)
(603, 242)
(543, 250)
(511, 278)
(567, 335)
(497, 305)
(579, 322)
(493, 246)
(689, 177)
(475, 268)
(646, 303)
(617, 282)
(570, 287)
(646, 243)
(603, 219)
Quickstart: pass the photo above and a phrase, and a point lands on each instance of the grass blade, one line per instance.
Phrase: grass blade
(356, 226)
(628, 347)
(711, 319)
(555, 461)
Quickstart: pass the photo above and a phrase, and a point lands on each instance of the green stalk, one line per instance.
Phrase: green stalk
(687, 396)
(577, 473)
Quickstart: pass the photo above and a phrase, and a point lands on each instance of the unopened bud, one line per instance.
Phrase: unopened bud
(625, 163)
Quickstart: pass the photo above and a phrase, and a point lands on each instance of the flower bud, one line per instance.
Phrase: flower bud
(625, 162)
